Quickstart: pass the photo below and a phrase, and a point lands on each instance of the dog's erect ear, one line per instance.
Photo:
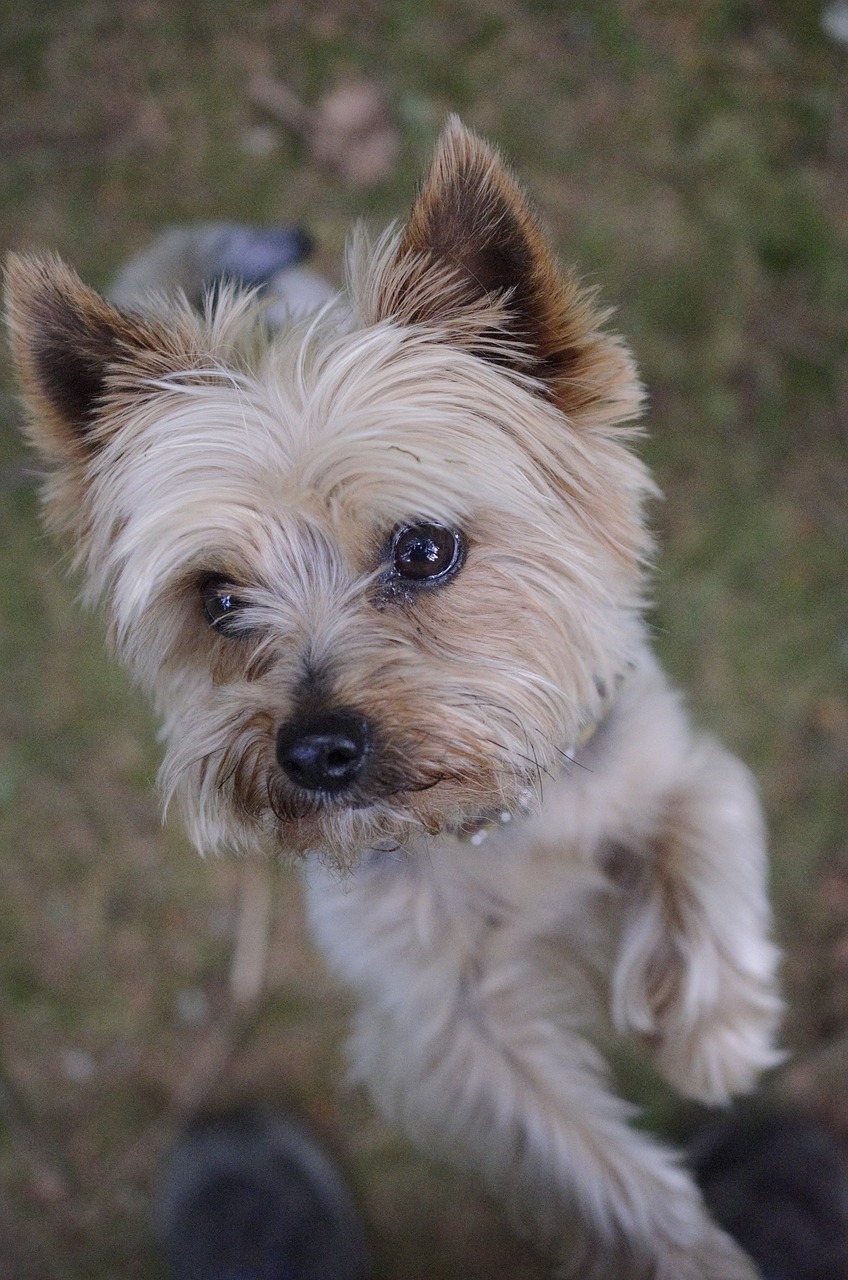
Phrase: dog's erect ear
(73, 349)
(473, 246)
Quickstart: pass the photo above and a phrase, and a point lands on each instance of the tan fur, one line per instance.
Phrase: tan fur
(462, 381)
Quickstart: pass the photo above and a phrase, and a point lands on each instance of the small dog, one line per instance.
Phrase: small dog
(383, 573)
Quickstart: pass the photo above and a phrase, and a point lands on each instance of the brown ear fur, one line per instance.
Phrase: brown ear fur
(73, 349)
(474, 245)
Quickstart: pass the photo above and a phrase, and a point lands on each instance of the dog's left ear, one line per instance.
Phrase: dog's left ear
(474, 262)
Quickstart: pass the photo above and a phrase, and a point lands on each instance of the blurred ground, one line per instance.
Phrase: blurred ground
(693, 160)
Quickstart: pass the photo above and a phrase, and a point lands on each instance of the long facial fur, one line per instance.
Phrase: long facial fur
(462, 380)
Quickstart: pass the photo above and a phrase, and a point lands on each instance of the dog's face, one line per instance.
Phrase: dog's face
(378, 570)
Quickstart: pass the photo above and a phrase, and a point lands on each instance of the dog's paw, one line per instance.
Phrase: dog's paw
(727, 1048)
(707, 1019)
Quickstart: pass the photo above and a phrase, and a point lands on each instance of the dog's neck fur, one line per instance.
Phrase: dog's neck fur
(475, 831)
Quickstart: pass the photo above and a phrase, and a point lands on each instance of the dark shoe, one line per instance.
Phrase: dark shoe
(778, 1184)
(250, 1195)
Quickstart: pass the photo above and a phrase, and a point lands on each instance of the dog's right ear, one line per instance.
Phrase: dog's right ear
(79, 357)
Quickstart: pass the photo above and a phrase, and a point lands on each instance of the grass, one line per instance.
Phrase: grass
(692, 160)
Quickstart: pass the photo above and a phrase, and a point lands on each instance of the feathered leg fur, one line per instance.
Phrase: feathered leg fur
(476, 968)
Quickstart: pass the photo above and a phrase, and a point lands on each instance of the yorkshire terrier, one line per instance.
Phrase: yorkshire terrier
(383, 572)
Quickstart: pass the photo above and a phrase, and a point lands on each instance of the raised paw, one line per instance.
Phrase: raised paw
(696, 984)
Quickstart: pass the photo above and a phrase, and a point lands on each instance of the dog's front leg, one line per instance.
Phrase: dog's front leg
(695, 975)
(458, 1042)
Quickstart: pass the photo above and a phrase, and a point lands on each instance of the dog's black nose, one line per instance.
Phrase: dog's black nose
(325, 752)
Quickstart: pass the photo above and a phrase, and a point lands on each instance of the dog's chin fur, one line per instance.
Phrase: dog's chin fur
(463, 381)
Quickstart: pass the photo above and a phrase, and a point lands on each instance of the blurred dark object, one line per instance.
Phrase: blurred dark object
(194, 259)
(835, 21)
(777, 1182)
(251, 1195)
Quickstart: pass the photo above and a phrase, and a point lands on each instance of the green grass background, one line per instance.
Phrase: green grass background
(693, 160)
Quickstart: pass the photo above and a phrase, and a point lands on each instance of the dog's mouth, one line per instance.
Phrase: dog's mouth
(341, 829)
(338, 782)
(382, 789)
(390, 805)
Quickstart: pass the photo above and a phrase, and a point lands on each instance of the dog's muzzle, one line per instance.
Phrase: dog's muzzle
(325, 752)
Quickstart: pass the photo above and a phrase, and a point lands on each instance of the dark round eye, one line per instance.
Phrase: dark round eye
(220, 603)
(427, 552)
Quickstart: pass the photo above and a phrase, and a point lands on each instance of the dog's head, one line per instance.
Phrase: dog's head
(376, 569)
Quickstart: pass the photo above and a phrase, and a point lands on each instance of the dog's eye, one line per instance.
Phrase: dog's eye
(220, 602)
(427, 552)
